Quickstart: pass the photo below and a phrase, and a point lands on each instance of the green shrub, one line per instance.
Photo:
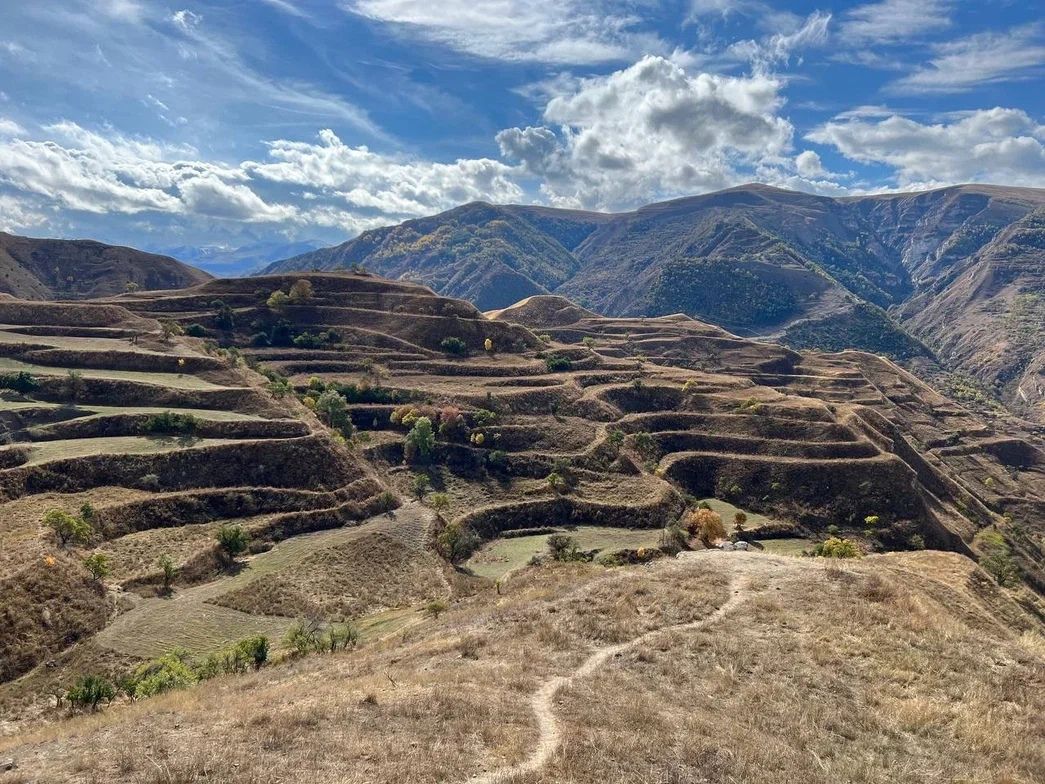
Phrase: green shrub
(89, 691)
(420, 441)
(497, 460)
(483, 417)
(149, 482)
(332, 408)
(167, 673)
(836, 547)
(196, 331)
(996, 557)
(562, 547)
(20, 382)
(167, 571)
(232, 540)
(436, 607)
(278, 301)
(673, 539)
(453, 345)
(67, 528)
(170, 423)
(557, 363)
(305, 636)
(255, 648)
(420, 485)
(98, 565)
(341, 637)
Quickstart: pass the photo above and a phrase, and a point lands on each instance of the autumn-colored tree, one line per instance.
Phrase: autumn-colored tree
(706, 525)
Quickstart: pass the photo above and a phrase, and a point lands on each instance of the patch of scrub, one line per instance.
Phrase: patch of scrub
(500, 556)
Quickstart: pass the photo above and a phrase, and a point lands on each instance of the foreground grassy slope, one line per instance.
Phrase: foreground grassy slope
(719, 667)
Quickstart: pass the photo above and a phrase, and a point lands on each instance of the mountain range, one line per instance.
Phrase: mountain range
(950, 280)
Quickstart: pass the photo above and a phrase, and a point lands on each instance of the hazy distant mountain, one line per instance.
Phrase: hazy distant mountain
(956, 271)
(225, 261)
(70, 269)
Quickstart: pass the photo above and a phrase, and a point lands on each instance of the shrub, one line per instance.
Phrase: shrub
(167, 673)
(20, 382)
(557, 364)
(225, 317)
(436, 607)
(232, 540)
(149, 482)
(300, 291)
(341, 637)
(739, 520)
(89, 691)
(67, 528)
(440, 502)
(706, 525)
(556, 482)
(616, 439)
(645, 444)
(170, 422)
(260, 340)
(332, 408)
(387, 500)
(277, 301)
(562, 547)
(673, 539)
(168, 571)
(483, 417)
(996, 557)
(452, 426)
(497, 460)
(457, 542)
(453, 345)
(310, 340)
(169, 329)
(74, 385)
(420, 441)
(420, 485)
(488, 346)
(255, 648)
(589, 342)
(304, 637)
(836, 547)
(98, 565)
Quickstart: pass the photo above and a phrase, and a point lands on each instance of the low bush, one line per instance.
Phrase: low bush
(196, 331)
(232, 540)
(90, 690)
(557, 364)
(457, 542)
(20, 382)
(836, 547)
(453, 345)
(996, 557)
(167, 673)
(170, 423)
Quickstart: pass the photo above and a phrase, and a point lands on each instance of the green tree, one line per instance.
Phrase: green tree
(836, 547)
(169, 329)
(89, 691)
(98, 565)
(420, 485)
(278, 301)
(420, 441)
(456, 542)
(67, 528)
(168, 571)
(562, 547)
(332, 408)
(232, 540)
(440, 502)
(255, 649)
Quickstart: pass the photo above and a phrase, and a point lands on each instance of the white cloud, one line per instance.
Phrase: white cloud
(10, 128)
(18, 214)
(554, 31)
(777, 48)
(1003, 146)
(391, 185)
(185, 20)
(979, 59)
(808, 164)
(651, 130)
(892, 21)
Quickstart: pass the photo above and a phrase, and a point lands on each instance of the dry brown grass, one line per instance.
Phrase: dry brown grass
(811, 678)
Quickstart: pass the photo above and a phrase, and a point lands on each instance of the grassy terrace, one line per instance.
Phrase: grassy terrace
(175, 380)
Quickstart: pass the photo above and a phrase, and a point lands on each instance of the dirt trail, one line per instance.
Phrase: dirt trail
(543, 700)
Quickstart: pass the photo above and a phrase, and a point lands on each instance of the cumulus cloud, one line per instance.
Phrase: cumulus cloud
(552, 31)
(976, 60)
(10, 128)
(990, 145)
(808, 164)
(651, 130)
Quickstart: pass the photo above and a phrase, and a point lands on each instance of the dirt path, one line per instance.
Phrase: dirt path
(543, 700)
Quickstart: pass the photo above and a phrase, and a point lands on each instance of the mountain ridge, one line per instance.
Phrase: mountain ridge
(811, 271)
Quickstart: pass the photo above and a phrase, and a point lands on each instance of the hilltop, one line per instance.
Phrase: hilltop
(80, 269)
(291, 407)
(949, 280)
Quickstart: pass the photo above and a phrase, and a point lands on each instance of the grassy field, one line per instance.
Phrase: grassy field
(495, 559)
(727, 510)
(46, 451)
(85, 343)
(788, 546)
(174, 380)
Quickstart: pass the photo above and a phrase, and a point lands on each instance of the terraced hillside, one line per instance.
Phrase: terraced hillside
(815, 440)
(292, 406)
(156, 445)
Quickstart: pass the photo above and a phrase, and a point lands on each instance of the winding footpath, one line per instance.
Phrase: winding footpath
(542, 702)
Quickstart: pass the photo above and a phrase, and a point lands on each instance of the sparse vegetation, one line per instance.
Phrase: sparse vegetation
(232, 541)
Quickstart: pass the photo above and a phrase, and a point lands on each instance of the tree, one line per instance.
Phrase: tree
(616, 439)
(130, 287)
(706, 525)
(300, 291)
(440, 502)
(89, 691)
(169, 329)
(563, 548)
(232, 540)
(98, 565)
(420, 441)
(420, 485)
(255, 649)
(74, 385)
(556, 482)
(332, 408)
(739, 519)
(278, 301)
(168, 571)
(456, 542)
(488, 346)
(453, 345)
(837, 548)
(304, 637)
(67, 528)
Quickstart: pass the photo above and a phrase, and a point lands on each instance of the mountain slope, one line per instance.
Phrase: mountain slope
(74, 269)
(893, 274)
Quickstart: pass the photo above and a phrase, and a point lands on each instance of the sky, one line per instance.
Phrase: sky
(227, 123)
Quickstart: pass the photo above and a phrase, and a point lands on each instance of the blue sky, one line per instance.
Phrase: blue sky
(227, 123)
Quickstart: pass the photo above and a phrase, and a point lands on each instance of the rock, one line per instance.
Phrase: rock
(8, 764)
(741, 546)
(726, 546)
